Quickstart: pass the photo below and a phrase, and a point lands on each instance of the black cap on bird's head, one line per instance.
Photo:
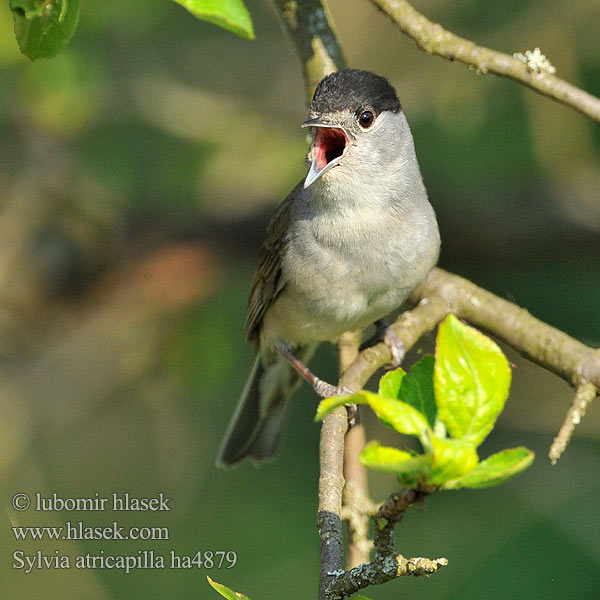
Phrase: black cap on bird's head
(354, 89)
(344, 107)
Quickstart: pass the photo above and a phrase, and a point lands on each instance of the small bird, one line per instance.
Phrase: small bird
(345, 248)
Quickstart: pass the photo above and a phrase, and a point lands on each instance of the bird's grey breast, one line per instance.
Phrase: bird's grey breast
(350, 262)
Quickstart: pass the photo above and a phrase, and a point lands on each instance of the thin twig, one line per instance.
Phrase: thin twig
(434, 39)
(381, 571)
(356, 503)
(357, 506)
(387, 565)
(391, 512)
(584, 396)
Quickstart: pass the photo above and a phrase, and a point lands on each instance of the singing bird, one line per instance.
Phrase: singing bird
(345, 248)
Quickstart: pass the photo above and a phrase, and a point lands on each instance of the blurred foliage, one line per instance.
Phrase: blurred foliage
(138, 169)
(43, 27)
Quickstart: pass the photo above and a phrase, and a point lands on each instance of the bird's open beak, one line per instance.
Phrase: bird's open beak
(328, 146)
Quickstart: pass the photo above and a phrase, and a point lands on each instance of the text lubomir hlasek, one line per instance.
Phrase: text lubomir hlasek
(115, 502)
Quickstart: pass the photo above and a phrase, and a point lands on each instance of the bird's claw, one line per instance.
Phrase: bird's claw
(352, 415)
(395, 346)
(386, 334)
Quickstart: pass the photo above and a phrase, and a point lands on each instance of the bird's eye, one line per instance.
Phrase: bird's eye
(366, 119)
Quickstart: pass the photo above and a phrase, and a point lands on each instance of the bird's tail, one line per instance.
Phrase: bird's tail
(261, 413)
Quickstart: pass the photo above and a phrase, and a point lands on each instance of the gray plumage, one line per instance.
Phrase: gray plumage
(340, 253)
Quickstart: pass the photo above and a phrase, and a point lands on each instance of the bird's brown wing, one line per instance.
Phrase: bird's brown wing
(267, 283)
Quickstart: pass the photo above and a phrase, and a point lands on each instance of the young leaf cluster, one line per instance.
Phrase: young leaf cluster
(450, 403)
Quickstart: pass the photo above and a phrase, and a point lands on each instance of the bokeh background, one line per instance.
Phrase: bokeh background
(138, 170)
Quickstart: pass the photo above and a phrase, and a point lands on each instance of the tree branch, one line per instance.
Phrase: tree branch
(357, 506)
(434, 39)
(556, 351)
(584, 396)
(550, 348)
(331, 482)
(387, 564)
(391, 512)
(381, 571)
(309, 25)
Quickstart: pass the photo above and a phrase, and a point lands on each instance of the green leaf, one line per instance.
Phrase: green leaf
(230, 14)
(451, 459)
(360, 598)
(394, 413)
(417, 388)
(496, 469)
(471, 380)
(225, 591)
(392, 460)
(329, 404)
(398, 415)
(390, 383)
(43, 27)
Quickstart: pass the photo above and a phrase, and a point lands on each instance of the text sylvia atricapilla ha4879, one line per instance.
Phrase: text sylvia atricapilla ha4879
(345, 248)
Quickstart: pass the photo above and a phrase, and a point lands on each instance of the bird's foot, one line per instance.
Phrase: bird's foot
(387, 335)
(353, 415)
(323, 389)
(396, 347)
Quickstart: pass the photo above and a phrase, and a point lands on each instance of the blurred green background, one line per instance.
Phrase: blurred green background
(138, 170)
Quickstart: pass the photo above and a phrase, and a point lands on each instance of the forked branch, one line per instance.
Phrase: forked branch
(434, 39)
